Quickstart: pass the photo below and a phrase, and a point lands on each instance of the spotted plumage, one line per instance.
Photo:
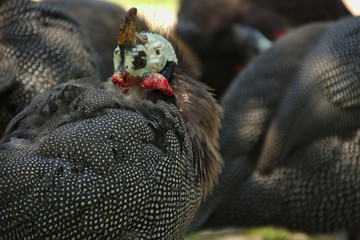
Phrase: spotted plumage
(82, 161)
(40, 47)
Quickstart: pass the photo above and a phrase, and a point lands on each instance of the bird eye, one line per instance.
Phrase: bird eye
(139, 60)
(157, 51)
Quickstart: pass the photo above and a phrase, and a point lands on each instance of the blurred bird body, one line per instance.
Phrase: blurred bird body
(226, 34)
(40, 47)
(290, 136)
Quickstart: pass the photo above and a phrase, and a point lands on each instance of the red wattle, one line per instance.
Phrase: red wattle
(118, 78)
(156, 81)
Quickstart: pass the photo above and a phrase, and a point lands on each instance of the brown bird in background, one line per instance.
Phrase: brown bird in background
(227, 34)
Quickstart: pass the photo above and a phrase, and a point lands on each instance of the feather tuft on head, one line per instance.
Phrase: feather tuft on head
(126, 34)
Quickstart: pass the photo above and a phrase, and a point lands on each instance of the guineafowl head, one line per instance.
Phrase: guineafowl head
(147, 67)
(144, 59)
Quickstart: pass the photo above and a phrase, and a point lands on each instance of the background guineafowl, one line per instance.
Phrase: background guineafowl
(227, 34)
(130, 158)
(99, 20)
(40, 47)
(290, 136)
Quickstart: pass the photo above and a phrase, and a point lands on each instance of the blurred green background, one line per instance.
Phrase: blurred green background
(261, 233)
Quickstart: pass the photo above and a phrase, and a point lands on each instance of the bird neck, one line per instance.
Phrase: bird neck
(201, 114)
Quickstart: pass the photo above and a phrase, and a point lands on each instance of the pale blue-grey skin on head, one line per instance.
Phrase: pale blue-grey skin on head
(290, 136)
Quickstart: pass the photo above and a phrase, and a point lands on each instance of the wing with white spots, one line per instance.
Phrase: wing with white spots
(79, 163)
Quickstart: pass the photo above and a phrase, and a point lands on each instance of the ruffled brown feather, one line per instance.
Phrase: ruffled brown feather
(202, 117)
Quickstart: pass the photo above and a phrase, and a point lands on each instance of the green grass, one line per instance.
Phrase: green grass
(269, 233)
(265, 233)
(261, 233)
